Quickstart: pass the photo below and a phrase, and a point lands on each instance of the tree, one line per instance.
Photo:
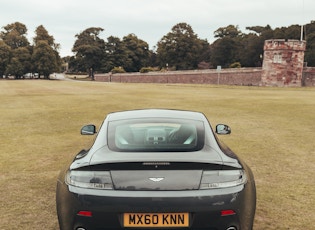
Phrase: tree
(116, 54)
(204, 55)
(259, 30)
(137, 53)
(251, 50)
(230, 31)
(310, 50)
(45, 57)
(17, 61)
(15, 67)
(180, 48)
(42, 35)
(224, 52)
(89, 49)
(20, 63)
(15, 35)
(310, 43)
(5, 52)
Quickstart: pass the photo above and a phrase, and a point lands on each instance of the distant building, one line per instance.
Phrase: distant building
(283, 62)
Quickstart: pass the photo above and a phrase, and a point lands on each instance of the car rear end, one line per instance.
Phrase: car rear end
(160, 173)
(157, 195)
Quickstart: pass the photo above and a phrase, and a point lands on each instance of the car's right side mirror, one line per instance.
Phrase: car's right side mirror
(88, 130)
(222, 129)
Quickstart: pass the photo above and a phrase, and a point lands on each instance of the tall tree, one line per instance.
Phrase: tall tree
(89, 49)
(225, 50)
(25, 58)
(137, 51)
(14, 36)
(180, 48)
(116, 54)
(45, 49)
(45, 59)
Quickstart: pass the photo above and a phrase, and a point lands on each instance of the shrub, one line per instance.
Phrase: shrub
(118, 70)
(146, 69)
(235, 65)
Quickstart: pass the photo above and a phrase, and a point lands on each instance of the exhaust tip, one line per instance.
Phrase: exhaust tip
(231, 228)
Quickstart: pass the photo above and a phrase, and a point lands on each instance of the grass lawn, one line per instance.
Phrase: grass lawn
(272, 130)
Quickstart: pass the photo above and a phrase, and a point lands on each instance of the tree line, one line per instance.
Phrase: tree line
(180, 49)
(18, 57)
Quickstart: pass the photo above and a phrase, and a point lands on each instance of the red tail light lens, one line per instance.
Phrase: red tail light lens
(85, 213)
(227, 212)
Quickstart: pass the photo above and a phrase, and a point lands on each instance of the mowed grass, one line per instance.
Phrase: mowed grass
(272, 130)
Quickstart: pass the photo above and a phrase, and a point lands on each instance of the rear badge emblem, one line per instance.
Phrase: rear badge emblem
(156, 179)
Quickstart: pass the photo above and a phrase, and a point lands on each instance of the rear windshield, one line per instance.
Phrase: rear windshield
(155, 135)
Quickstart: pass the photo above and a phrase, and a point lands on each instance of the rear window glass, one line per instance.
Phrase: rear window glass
(155, 135)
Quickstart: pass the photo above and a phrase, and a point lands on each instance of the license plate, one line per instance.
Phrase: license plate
(156, 219)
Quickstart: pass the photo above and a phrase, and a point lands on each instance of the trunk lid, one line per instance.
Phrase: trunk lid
(163, 176)
(167, 180)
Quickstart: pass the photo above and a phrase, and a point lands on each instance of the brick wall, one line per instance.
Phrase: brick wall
(308, 78)
(242, 76)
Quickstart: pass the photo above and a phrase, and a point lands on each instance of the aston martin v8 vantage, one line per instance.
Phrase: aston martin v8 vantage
(156, 169)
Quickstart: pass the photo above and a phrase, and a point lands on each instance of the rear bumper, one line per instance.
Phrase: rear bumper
(205, 220)
(107, 207)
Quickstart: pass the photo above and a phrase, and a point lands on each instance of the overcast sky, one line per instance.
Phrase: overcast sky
(150, 20)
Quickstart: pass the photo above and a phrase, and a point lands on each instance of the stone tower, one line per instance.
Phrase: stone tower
(283, 62)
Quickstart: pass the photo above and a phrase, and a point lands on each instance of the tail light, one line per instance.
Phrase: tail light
(89, 179)
(222, 179)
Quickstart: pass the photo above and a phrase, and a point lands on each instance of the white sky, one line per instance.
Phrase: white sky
(150, 20)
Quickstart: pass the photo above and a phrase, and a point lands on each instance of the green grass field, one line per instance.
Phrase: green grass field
(272, 130)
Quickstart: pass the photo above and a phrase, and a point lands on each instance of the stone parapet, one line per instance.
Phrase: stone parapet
(282, 44)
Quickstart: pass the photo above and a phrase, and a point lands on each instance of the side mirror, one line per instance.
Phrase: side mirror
(222, 129)
(88, 130)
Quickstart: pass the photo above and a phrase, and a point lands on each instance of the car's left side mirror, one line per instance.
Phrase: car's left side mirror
(222, 129)
(88, 130)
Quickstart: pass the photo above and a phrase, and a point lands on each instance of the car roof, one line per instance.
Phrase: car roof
(155, 113)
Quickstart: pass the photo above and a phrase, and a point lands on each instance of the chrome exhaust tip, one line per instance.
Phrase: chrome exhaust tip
(231, 228)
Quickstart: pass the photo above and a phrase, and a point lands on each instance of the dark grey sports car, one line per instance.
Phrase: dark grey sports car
(156, 168)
